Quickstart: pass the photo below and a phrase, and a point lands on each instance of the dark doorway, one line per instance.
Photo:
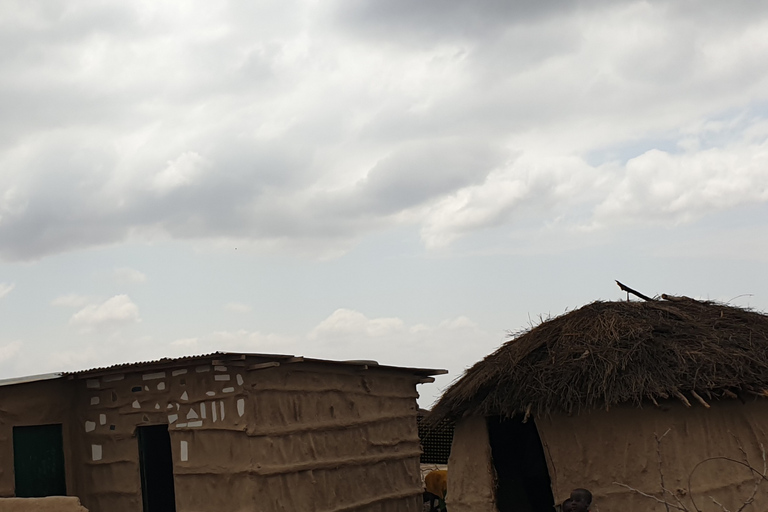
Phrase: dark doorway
(156, 465)
(38, 461)
(523, 483)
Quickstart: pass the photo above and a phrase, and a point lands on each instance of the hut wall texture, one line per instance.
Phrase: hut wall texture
(595, 450)
(195, 402)
(471, 477)
(284, 438)
(331, 440)
(35, 403)
(50, 504)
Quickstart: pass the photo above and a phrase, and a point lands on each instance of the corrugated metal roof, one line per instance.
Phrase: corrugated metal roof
(30, 378)
(225, 356)
(233, 356)
(153, 362)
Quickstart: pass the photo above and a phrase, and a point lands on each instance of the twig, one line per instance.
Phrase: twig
(740, 446)
(663, 487)
(739, 296)
(759, 478)
(758, 481)
(701, 400)
(682, 398)
(746, 465)
(658, 456)
(719, 504)
(641, 493)
(677, 499)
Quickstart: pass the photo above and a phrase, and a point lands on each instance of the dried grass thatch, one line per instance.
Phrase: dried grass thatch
(608, 353)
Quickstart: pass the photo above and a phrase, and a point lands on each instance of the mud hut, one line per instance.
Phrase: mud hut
(663, 397)
(225, 431)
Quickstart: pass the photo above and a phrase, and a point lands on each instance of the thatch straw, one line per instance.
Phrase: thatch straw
(609, 353)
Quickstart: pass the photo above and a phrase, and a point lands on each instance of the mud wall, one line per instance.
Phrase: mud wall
(471, 477)
(193, 401)
(292, 437)
(51, 504)
(351, 432)
(35, 403)
(597, 449)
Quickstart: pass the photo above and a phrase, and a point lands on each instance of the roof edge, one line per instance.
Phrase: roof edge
(241, 356)
(30, 378)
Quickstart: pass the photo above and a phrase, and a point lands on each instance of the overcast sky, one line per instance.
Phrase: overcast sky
(396, 180)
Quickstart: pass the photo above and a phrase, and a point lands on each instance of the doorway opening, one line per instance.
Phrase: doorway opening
(523, 483)
(38, 461)
(156, 463)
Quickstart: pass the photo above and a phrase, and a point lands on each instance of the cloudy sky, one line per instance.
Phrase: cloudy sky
(400, 181)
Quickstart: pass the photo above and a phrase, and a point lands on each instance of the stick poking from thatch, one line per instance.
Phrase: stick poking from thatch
(699, 398)
(629, 290)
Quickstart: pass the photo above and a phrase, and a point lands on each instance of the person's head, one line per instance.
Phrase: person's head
(582, 499)
(568, 505)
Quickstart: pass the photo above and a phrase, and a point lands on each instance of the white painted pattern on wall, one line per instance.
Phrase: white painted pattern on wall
(96, 452)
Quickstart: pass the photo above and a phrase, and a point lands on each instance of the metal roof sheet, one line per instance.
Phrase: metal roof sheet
(233, 356)
(30, 378)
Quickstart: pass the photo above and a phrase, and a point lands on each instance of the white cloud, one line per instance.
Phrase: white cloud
(12, 204)
(5, 289)
(71, 300)
(116, 310)
(184, 171)
(656, 187)
(348, 323)
(460, 322)
(186, 342)
(682, 187)
(9, 351)
(129, 275)
(315, 131)
(531, 188)
(237, 307)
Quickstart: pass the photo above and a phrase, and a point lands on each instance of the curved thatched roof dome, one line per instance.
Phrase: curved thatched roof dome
(608, 353)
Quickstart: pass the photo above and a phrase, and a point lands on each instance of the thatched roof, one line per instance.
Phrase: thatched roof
(608, 353)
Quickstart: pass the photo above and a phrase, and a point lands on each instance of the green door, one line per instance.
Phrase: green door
(38, 461)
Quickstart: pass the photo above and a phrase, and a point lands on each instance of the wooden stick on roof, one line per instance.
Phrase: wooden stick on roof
(633, 292)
